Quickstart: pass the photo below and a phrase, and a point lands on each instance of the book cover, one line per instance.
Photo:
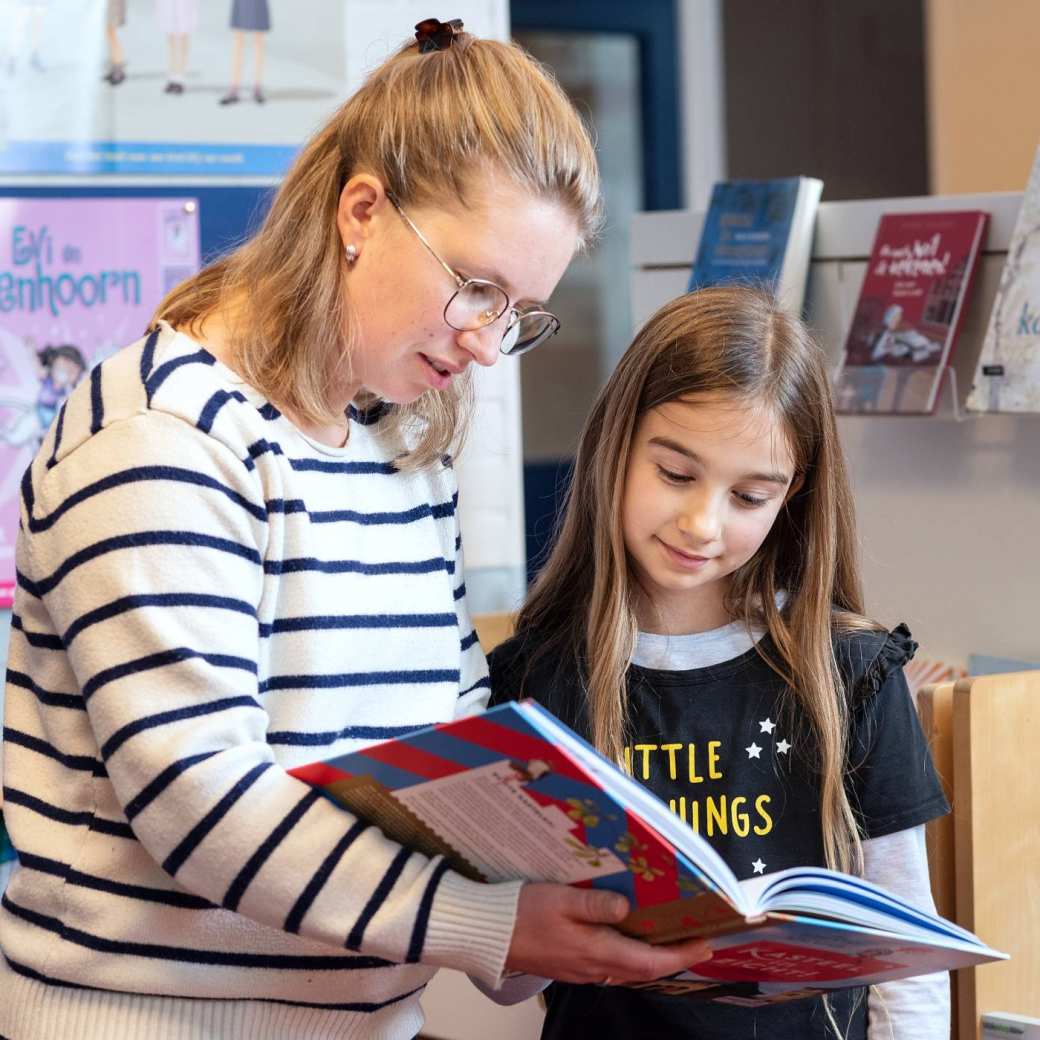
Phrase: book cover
(514, 793)
(759, 233)
(909, 311)
(1008, 375)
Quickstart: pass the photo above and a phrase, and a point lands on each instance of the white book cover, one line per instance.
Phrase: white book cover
(1007, 378)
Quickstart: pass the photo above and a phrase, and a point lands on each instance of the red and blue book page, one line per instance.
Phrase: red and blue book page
(507, 803)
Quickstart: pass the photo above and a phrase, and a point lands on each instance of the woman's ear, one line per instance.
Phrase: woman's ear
(360, 200)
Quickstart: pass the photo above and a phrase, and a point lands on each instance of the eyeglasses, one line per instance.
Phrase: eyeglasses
(477, 303)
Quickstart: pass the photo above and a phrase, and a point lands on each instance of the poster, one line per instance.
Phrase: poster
(192, 87)
(79, 278)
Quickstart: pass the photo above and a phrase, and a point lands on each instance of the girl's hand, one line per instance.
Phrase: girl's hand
(567, 934)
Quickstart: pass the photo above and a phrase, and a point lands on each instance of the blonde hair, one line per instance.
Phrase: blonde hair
(737, 342)
(428, 125)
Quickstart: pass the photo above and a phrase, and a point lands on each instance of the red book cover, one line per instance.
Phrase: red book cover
(910, 307)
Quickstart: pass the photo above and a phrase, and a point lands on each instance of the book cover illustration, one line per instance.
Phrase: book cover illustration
(1008, 375)
(501, 802)
(909, 310)
(79, 278)
(759, 233)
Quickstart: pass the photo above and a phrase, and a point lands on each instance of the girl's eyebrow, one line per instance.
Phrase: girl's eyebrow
(770, 478)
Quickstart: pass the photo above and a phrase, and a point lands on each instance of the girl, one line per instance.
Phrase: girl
(239, 553)
(254, 17)
(700, 620)
(178, 19)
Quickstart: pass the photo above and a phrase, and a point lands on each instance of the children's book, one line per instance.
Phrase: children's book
(909, 311)
(759, 233)
(514, 793)
(1008, 375)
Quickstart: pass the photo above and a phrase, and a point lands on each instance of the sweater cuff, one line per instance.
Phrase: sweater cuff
(471, 926)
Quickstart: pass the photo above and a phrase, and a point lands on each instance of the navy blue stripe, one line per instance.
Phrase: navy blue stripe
(59, 427)
(369, 416)
(422, 918)
(141, 474)
(485, 682)
(321, 876)
(379, 896)
(159, 599)
(43, 640)
(320, 622)
(269, 412)
(286, 506)
(325, 466)
(148, 354)
(97, 405)
(151, 791)
(161, 660)
(335, 682)
(165, 370)
(405, 516)
(81, 763)
(12, 796)
(258, 448)
(53, 700)
(212, 407)
(238, 887)
(28, 495)
(466, 643)
(358, 1006)
(183, 900)
(296, 738)
(309, 563)
(460, 592)
(163, 718)
(197, 835)
(458, 542)
(183, 955)
(136, 541)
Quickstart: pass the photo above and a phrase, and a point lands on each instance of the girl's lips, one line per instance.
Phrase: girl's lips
(688, 561)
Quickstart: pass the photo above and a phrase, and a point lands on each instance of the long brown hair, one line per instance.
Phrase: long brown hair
(428, 125)
(737, 342)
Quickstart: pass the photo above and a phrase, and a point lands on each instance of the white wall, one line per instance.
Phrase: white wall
(949, 511)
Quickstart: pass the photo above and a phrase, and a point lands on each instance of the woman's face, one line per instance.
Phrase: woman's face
(397, 290)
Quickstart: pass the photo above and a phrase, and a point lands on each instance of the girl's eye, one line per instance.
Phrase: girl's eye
(673, 478)
(750, 500)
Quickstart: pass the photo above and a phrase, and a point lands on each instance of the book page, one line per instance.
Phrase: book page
(527, 840)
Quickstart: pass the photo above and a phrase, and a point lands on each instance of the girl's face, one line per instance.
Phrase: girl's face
(706, 478)
(398, 291)
(64, 372)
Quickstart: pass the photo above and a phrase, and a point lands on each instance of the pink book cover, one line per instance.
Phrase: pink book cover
(909, 311)
(79, 278)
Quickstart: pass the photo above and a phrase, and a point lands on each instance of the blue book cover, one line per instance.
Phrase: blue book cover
(745, 235)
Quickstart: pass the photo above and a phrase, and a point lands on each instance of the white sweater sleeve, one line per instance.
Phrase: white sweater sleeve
(178, 716)
(915, 1008)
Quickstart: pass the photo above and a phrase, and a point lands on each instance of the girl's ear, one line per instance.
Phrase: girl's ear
(359, 201)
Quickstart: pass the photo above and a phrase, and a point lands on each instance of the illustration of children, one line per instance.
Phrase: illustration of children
(252, 16)
(884, 344)
(61, 368)
(178, 19)
(115, 19)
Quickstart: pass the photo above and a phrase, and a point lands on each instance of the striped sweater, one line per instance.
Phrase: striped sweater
(207, 598)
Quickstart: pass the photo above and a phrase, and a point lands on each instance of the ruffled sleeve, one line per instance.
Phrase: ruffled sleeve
(896, 650)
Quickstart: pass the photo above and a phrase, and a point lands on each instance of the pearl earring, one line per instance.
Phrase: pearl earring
(351, 253)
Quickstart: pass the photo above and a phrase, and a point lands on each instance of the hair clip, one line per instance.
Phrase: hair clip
(435, 35)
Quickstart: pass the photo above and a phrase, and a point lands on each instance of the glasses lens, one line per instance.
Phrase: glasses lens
(528, 332)
(476, 305)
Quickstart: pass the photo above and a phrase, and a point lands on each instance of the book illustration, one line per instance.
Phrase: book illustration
(909, 310)
(1007, 378)
(759, 233)
(515, 794)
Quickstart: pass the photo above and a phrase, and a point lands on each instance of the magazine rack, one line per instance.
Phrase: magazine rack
(985, 856)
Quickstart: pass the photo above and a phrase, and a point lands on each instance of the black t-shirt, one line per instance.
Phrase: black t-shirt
(722, 746)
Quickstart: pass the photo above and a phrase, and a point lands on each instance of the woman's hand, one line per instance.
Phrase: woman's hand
(567, 934)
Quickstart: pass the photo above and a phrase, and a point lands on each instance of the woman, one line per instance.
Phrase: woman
(240, 554)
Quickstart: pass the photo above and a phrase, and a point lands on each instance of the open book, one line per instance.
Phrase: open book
(514, 793)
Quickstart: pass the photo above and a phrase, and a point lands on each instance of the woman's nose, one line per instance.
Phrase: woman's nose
(481, 344)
